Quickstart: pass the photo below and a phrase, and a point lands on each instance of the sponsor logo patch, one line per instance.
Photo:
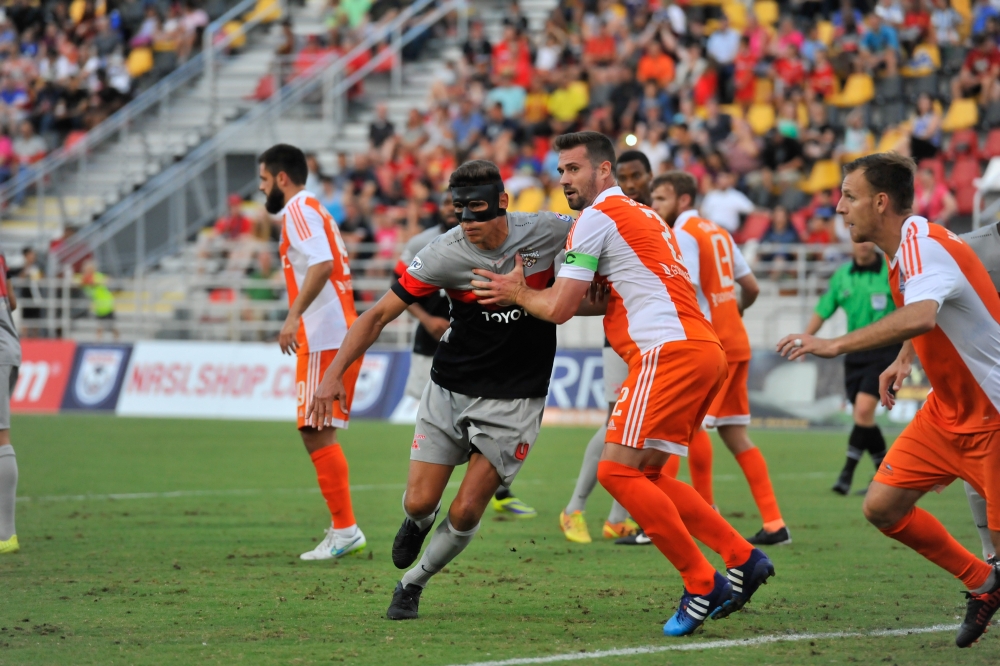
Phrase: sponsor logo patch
(416, 264)
(416, 442)
(529, 256)
(97, 374)
(521, 452)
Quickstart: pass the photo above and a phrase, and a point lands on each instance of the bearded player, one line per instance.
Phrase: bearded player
(716, 266)
(949, 316)
(489, 378)
(676, 367)
(321, 309)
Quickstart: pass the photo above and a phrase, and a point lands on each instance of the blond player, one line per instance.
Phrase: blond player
(949, 316)
(716, 266)
(676, 366)
(321, 308)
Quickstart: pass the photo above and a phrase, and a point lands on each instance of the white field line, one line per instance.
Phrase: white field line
(172, 494)
(713, 645)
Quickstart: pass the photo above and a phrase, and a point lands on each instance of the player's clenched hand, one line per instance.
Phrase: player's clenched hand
(799, 344)
(598, 291)
(287, 336)
(499, 289)
(891, 380)
(330, 388)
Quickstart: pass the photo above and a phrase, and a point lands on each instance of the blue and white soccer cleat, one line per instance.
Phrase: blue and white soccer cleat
(747, 579)
(695, 609)
(334, 547)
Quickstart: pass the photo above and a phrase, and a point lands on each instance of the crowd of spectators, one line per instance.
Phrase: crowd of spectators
(762, 102)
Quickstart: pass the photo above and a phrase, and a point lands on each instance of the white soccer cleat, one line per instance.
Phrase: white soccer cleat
(334, 547)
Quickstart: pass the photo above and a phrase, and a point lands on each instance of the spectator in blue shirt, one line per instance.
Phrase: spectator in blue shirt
(509, 95)
(982, 12)
(879, 46)
(467, 126)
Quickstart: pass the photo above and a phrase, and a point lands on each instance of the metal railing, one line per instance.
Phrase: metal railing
(178, 200)
(120, 128)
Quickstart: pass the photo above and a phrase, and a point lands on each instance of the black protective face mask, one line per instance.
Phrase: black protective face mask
(490, 194)
(275, 200)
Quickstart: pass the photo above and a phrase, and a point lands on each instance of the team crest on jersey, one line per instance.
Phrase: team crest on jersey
(416, 442)
(416, 264)
(565, 218)
(529, 256)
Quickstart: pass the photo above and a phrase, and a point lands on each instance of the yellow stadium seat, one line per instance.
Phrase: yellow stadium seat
(964, 9)
(736, 12)
(139, 62)
(825, 175)
(240, 40)
(859, 89)
(528, 200)
(763, 90)
(962, 114)
(766, 12)
(761, 117)
(890, 139)
(926, 60)
(734, 111)
(826, 32)
(558, 203)
(266, 11)
(802, 114)
(711, 25)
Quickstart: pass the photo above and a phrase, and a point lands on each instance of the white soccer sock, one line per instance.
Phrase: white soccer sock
(587, 479)
(424, 522)
(8, 491)
(978, 505)
(446, 543)
(346, 532)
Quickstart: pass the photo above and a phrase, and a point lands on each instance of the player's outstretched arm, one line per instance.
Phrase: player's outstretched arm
(556, 304)
(360, 336)
(905, 323)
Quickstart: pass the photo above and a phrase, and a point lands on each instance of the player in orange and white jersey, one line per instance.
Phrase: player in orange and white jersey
(949, 316)
(676, 366)
(320, 310)
(716, 266)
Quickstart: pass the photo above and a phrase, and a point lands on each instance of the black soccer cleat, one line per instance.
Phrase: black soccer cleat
(406, 546)
(637, 539)
(746, 579)
(843, 485)
(776, 538)
(405, 602)
(979, 610)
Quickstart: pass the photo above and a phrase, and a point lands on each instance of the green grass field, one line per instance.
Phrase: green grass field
(211, 573)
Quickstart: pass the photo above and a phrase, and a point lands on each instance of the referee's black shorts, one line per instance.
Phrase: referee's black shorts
(861, 371)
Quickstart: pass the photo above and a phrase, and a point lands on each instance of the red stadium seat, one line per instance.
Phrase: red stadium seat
(753, 228)
(964, 197)
(964, 172)
(964, 143)
(799, 222)
(992, 147)
(937, 166)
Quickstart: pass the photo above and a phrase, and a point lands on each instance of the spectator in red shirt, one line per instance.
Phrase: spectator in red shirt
(822, 80)
(789, 70)
(978, 76)
(932, 199)
(655, 65)
(599, 50)
(234, 225)
(744, 78)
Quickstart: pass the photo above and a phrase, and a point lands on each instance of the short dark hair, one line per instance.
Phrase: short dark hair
(681, 181)
(476, 172)
(283, 157)
(26, 250)
(635, 156)
(599, 147)
(890, 173)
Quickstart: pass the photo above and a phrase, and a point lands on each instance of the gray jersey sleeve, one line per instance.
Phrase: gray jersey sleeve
(417, 243)
(985, 242)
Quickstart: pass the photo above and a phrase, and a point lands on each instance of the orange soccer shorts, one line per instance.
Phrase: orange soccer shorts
(309, 370)
(666, 395)
(927, 457)
(732, 403)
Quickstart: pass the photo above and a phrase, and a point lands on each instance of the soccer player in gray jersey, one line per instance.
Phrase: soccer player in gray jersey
(489, 378)
(434, 314)
(986, 244)
(10, 360)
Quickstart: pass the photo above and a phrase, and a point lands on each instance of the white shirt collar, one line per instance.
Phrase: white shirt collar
(610, 192)
(684, 217)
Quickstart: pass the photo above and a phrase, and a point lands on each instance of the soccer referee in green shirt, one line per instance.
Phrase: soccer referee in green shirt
(861, 288)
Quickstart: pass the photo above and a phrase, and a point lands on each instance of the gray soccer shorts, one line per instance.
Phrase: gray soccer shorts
(8, 380)
(615, 373)
(419, 375)
(451, 426)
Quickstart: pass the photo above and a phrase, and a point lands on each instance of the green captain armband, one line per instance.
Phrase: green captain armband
(582, 260)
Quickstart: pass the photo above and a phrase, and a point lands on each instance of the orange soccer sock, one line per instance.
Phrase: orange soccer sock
(755, 469)
(925, 534)
(700, 464)
(672, 467)
(334, 483)
(658, 516)
(702, 521)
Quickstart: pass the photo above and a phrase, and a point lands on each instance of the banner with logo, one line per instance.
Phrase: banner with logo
(42, 377)
(235, 381)
(97, 377)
